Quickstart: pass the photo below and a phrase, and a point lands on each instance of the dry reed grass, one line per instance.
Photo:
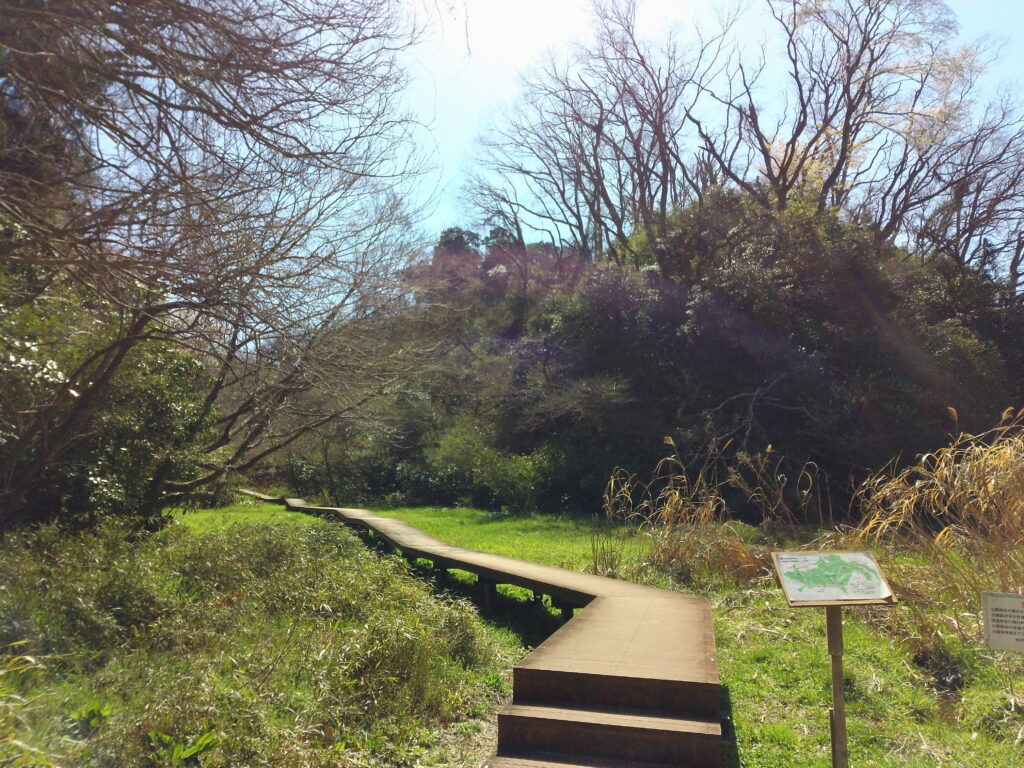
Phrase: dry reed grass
(943, 530)
(972, 488)
(683, 510)
(948, 528)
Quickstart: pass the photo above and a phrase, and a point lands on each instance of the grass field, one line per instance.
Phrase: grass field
(775, 666)
(902, 710)
(247, 643)
(203, 520)
(564, 542)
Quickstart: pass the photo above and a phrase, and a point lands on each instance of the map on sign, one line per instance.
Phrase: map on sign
(831, 578)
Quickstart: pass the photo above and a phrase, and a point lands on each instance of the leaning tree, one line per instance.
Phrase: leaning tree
(223, 178)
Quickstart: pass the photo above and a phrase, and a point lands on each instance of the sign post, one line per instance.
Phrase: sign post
(837, 712)
(832, 580)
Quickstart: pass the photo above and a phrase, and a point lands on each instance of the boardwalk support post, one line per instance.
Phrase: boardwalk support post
(564, 607)
(488, 592)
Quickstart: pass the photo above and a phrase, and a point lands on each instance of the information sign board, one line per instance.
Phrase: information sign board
(831, 578)
(1003, 616)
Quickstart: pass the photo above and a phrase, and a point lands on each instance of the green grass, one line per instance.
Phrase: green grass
(541, 539)
(560, 541)
(265, 645)
(204, 520)
(775, 665)
(564, 542)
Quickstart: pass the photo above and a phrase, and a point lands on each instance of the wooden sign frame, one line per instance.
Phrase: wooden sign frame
(821, 566)
(861, 562)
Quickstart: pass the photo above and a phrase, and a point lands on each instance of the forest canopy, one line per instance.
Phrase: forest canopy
(804, 259)
(807, 258)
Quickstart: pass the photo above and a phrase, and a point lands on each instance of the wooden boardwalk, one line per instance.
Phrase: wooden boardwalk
(630, 680)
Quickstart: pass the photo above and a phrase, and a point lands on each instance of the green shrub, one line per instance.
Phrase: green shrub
(483, 475)
(253, 645)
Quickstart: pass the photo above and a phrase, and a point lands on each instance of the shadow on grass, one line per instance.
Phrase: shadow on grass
(513, 608)
(730, 749)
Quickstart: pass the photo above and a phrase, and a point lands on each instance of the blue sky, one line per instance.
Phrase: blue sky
(466, 70)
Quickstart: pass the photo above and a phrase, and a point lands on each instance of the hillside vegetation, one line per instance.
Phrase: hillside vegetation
(259, 645)
(811, 351)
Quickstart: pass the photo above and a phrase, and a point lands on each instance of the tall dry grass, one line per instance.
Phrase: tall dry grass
(945, 528)
(950, 527)
(690, 527)
(971, 490)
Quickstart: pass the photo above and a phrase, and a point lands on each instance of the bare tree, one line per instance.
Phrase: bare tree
(225, 175)
(879, 119)
(597, 148)
(866, 107)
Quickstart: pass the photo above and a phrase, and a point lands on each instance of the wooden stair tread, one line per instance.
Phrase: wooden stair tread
(608, 718)
(656, 635)
(535, 760)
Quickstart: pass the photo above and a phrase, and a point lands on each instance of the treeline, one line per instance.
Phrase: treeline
(809, 351)
(794, 265)
(808, 261)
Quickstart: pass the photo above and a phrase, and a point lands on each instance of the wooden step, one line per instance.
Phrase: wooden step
(544, 760)
(559, 688)
(617, 735)
(653, 651)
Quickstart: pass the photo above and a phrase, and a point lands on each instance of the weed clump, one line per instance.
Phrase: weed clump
(255, 645)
